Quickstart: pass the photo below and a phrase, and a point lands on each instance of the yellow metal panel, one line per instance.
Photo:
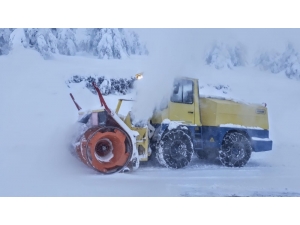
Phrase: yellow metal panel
(119, 105)
(182, 112)
(208, 110)
(215, 112)
(243, 120)
(142, 138)
(128, 120)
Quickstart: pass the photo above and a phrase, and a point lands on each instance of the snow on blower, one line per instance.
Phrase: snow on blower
(207, 126)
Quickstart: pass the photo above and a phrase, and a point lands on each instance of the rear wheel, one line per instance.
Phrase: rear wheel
(175, 149)
(235, 150)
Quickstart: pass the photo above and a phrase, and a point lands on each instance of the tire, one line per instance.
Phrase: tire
(235, 150)
(175, 149)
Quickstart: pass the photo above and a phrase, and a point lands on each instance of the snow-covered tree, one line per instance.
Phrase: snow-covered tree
(287, 61)
(222, 55)
(106, 85)
(83, 37)
(270, 61)
(101, 42)
(52, 41)
(114, 43)
(5, 40)
(37, 39)
(105, 45)
(136, 48)
(66, 41)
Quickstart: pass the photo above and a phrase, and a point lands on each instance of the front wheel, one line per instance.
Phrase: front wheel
(235, 150)
(175, 149)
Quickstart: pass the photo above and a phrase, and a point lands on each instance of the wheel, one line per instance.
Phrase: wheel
(175, 149)
(235, 150)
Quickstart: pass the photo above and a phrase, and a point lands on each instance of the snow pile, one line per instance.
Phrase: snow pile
(222, 92)
(106, 85)
(174, 124)
(213, 89)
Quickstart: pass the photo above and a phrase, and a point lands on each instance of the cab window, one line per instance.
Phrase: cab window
(183, 92)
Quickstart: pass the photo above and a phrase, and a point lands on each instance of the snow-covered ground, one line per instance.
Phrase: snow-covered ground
(38, 116)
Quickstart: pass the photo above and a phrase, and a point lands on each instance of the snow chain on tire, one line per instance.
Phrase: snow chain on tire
(235, 150)
(175, 149)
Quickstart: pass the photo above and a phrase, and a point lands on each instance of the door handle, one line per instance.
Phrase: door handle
(190, 112)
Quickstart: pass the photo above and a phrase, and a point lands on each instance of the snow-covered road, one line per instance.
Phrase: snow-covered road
(37, 123)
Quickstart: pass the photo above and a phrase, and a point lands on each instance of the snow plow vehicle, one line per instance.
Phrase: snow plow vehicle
(188, 124)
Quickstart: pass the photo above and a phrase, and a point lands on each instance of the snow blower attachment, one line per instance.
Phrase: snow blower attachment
(105, 142)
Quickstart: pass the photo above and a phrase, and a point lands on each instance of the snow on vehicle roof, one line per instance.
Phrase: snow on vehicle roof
(229, 99)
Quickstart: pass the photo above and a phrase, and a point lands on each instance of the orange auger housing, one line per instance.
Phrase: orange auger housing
(105, 142)
(106, 151)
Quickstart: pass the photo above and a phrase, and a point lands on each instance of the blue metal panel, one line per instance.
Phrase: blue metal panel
(218, 133)
(257, 133)
(261, 146)
(212, 136)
